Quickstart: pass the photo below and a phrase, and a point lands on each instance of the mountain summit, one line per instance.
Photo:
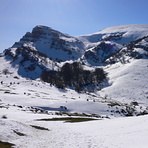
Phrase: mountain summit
(52, 43)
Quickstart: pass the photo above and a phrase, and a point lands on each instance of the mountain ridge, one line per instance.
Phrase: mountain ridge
(47, 47)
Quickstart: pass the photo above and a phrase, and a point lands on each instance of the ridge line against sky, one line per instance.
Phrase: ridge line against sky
(74, 17)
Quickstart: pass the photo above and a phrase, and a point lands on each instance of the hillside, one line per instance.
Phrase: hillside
(99, 77)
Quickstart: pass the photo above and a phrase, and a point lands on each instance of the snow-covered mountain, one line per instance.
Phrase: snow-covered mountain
(44, 48)
(52, 43)
(31, 107)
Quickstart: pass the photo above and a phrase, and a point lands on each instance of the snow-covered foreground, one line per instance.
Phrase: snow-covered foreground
(16, 127)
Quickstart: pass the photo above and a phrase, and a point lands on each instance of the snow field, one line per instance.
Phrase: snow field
(107, 133)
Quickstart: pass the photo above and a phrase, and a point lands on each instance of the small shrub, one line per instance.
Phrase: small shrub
(114, 104)
(16, 77)
(7, 92)
(5, 71)
(19, 133)
(4, 117)
(39, 127)
(134, 103)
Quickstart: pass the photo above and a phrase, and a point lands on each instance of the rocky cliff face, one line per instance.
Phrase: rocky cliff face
(98, 54)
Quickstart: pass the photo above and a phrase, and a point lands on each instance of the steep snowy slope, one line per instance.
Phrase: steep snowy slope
(129, 82)
(28, 63)
(52, 43)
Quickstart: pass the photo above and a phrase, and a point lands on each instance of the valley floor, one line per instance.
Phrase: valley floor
(24, 130)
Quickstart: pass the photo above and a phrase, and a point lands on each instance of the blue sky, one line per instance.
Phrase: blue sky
(74, 17)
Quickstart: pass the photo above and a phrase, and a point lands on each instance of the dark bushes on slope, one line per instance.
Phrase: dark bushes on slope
(74, 75)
